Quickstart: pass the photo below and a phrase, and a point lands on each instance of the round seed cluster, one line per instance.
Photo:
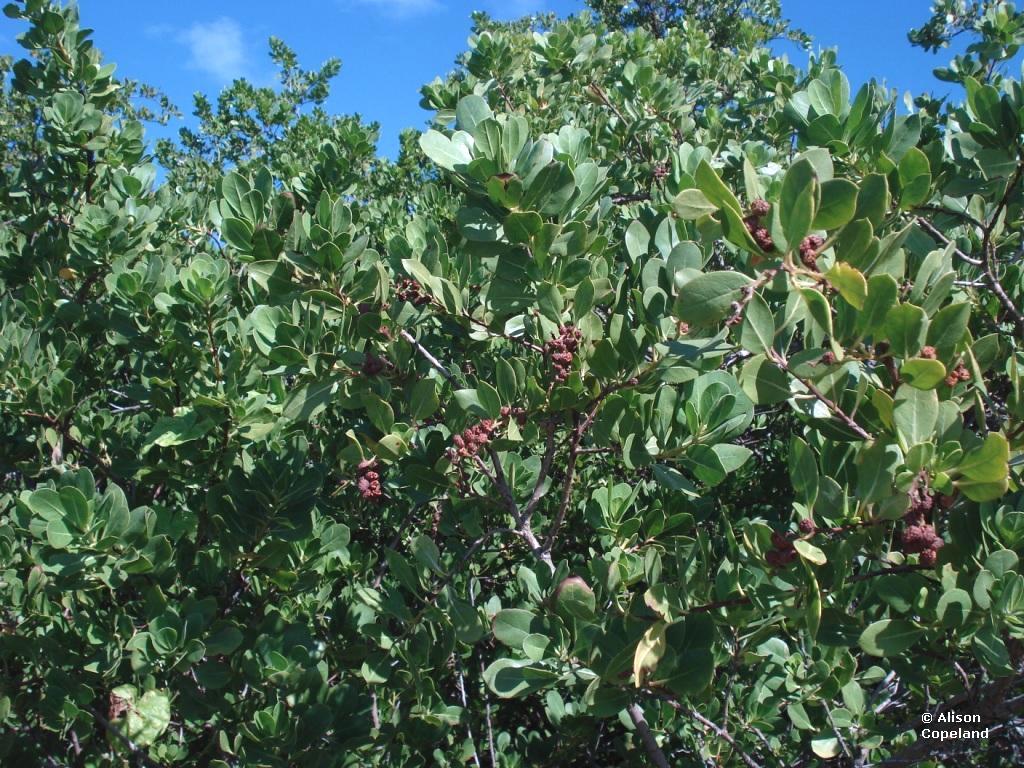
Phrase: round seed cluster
(519, 414)
(960, 373)
(473, 439)
(919, 536)
(368, 481)
(809, 248)
(784, 552)
(562, 349)
(373, 365)
(412, 292)
(758, 210)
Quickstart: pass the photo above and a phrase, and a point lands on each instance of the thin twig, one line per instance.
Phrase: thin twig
(636, 714)
(724, 735)
(988, 253)
(465, 707)
(434, 362)
(846, 418)
(937, 235)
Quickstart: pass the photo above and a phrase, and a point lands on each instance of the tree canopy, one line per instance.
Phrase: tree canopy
(660, 404)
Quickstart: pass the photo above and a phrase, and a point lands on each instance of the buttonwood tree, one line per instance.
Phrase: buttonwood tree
(661, 405)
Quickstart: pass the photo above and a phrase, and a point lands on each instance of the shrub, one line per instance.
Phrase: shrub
(659, 404)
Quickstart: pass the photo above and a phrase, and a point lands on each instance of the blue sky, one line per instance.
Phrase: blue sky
(389, 48)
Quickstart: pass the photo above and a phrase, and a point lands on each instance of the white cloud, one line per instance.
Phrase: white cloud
(216, 47)
(401, 7)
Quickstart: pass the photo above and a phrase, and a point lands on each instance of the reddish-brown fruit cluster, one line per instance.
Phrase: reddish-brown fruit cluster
(412, 292)
(373, 365)
(368, 481)
(960, 373)
(828, 358)
(919, 536)
(660, 171)
(918, 539)
(806, 526)
(561, 350)
(762, 237)
(473, 439)
(784, 552)
(809, 248)
(682, 328)
(757, 230)
(760, 208)
(921, 503)
(928, 352)
(519, 414)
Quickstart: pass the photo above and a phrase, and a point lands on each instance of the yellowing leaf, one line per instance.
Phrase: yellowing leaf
(849, 282)
(649, 651)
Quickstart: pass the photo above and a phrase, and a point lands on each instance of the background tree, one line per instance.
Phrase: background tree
(731, 23)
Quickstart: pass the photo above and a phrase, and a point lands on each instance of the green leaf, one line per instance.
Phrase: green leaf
(953, 608)
(471, 111)
(915, 414)
(513, 678)
(425, 551)
(873, 199)
(803, 471)
(520, 226)
(708, 297)
(575, 598)
(308, 401)
(423, 401)
(470, 402)
(922, 373)
(638, 240)
(550, 303)
(146, 717)
(989, 462)
(838, 204)
(45, 503)
(692, 204)
(797, 201)
(948, 327)
(512, 625)
(883, 293)
(849, 282)
(818, 308)
(915, 178)
(238, 234)
(983, 491)
(714, 190)
(905, 327)
(757, 333)
(477, 225)
(763, 381)
(57, 534)
(443, 151)
(889, 637)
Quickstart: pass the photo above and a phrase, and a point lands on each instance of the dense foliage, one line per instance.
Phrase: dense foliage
(661, 404)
